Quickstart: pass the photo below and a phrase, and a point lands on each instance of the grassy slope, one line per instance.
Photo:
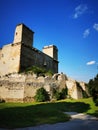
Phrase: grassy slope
(29, 114)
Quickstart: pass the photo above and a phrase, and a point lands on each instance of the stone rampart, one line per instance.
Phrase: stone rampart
(23, 87)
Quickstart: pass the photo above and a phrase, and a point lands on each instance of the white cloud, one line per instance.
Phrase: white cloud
(86, 33)
(79, 10)
(95, 26)
(91, 62)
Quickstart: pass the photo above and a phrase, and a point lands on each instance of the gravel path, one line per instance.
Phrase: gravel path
(79, 121)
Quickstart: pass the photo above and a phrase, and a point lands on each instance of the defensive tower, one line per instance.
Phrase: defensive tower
(51, 51)
(20, 55)
(24, 35)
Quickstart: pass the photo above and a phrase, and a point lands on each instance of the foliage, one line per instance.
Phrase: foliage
(41, 95)
(39, 71)
(49, 73)
(93, 89)
(57, 95)
(35, 69)
(60, 94)
(64, 93)
(85, 95)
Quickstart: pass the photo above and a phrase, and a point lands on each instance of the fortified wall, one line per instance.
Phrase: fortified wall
(23, 87)
(19, 55)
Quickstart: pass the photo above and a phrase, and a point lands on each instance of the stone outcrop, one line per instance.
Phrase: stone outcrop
(23, 87)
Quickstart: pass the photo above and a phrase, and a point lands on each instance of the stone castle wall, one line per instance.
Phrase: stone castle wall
(23, 87)
(10, 59)
(24, 35)
(20, 54)
(32, 56)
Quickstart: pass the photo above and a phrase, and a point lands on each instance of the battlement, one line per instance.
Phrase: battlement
(50, 46)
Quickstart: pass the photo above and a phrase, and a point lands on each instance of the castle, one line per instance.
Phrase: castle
(20, 54)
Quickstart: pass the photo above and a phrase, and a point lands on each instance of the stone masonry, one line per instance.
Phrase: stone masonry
(23, 87)
(20, 54)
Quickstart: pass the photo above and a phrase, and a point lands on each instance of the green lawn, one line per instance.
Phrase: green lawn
(13, 115)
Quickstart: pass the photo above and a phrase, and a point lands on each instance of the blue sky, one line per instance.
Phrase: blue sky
(71, 25)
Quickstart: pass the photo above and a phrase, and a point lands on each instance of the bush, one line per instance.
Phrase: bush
(57, 95)
(60, 94)
(49, 73)
(39, 71)
(42, 95)
(64, 93)
(36, 70)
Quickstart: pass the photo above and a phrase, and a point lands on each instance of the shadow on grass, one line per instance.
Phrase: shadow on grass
(30, 115)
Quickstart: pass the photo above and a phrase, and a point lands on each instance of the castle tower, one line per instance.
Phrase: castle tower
(51, 51)
(24, 35)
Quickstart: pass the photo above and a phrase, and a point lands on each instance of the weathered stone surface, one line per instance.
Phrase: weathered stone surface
(20, 54)
(23, 87)
(10, 59)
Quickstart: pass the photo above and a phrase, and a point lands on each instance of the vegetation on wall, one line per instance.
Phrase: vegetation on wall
(39, 71)
(93, 89)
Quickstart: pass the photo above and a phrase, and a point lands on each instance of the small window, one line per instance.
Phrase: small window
(16, 33)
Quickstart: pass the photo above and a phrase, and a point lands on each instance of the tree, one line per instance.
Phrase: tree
(42, 95)
(93, 89)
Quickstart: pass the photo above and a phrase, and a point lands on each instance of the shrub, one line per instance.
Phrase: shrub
(64, 93)
(42, 95)
(36, 70)
(39, 71)
(57, 95)
(49, 73)
(60, 94)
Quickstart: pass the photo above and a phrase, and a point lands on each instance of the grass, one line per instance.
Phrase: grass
(14, 115)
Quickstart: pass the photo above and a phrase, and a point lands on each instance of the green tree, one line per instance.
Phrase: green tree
(93, 89)
(42, 95)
